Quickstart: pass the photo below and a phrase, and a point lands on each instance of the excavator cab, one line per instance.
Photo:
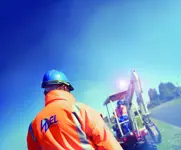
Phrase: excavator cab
(143, 133)
(123, 137)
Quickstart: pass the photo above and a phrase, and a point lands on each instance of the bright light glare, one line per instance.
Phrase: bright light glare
(123, 85)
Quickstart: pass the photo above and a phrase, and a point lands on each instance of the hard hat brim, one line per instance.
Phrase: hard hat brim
(55, 82)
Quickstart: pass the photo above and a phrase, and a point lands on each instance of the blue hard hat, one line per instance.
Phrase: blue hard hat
(119, 102)
(53, 77)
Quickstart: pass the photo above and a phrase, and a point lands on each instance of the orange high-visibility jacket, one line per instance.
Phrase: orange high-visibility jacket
(122, 110)
(65, 124)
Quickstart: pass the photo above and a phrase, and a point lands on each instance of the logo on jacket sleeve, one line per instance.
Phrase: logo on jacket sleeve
(46, 123)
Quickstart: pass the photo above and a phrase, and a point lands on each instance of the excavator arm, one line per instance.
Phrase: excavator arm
(127, 95)
(135, 86)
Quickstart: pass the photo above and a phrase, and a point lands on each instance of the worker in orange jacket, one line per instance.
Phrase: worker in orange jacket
(64, 124)
(122, 114)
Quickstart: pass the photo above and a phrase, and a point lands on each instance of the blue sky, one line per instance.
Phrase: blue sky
(96, 43)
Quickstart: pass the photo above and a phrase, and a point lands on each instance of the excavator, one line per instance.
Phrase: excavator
(145, 135)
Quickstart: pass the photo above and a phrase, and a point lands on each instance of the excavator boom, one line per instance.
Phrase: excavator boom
(127, 95)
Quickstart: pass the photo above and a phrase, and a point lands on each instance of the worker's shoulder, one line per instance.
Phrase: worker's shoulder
(86, 108)
(41, 114)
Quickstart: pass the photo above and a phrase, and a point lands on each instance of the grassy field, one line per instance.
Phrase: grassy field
(171, 136)
(167, 104)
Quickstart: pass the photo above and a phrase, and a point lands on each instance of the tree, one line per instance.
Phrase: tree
(153, 94)
(166, 91)
(177, 92)
(154, 98)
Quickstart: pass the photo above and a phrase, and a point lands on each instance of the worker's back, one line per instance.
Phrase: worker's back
(67, 125)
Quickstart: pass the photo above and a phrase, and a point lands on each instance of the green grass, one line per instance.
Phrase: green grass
(167, 104)
(171, 136)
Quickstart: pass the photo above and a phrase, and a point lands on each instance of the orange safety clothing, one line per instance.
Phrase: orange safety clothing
(121, 110)
(65, 124)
